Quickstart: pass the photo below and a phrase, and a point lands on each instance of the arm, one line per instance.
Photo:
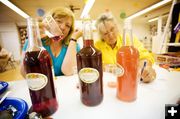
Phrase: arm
(148, 74)
(69, 61)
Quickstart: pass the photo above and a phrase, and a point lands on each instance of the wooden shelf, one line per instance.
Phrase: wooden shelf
(22, 35)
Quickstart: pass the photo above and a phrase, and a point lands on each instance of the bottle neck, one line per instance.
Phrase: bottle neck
(127, 37)
(33, 35)
(88, 42)
(87, 33)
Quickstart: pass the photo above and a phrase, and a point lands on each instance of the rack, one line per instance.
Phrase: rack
(22, 34)
(163, 42)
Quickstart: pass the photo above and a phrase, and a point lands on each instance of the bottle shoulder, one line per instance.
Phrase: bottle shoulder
(41, 52)
(128, 50)
(89, 51)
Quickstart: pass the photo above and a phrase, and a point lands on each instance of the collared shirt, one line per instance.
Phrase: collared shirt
(109, 54)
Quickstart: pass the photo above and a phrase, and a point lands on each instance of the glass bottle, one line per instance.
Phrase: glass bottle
(127, 61)
(89, 65)
(38, 68)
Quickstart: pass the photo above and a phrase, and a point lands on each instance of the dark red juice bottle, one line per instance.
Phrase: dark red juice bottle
(89, 65)
(127, 60)
(39, 76)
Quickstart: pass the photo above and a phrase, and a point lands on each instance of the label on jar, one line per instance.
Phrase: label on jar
(88, 75)
(119, 71)
(36, 81)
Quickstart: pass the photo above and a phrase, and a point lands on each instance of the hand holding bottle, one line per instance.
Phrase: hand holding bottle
(52, 29)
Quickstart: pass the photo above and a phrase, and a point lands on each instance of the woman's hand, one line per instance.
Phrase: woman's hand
(51, 28)
(77, 34)
(148, 74)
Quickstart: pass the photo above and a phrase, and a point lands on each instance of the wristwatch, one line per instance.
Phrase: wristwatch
(73, 39)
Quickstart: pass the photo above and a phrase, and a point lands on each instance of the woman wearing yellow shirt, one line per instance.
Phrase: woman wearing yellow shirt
(111, 41)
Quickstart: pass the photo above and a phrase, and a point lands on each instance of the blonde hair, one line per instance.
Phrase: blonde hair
(62, 12)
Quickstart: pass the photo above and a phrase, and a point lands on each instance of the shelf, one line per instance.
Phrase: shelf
(22, 35)
(172, 44)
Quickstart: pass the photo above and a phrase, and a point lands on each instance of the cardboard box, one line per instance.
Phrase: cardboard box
(168, 58)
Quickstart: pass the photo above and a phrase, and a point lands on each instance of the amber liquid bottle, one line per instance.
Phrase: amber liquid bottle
(39, 76)
(89, 65)
(127, 60)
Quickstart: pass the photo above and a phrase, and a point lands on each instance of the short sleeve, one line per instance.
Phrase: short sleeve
(77, 47)
(25, 45)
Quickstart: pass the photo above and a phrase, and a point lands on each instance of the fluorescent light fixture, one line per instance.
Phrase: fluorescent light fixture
(87, 8)
(156, 18)
(148, 9)
(16, 9)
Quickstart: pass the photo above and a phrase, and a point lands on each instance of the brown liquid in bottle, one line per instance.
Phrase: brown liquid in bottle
(91, 93)
(39, 75)
(43, 100)
(89, 65)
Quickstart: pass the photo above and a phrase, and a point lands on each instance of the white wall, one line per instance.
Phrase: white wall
(141, 31)
(9, 38)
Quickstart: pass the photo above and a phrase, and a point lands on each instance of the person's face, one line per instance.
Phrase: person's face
(108, 31)
(64, 24)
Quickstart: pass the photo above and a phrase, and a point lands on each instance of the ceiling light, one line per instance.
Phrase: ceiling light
(16, 9)
(87, 8)
(156, 18)
(148, 9)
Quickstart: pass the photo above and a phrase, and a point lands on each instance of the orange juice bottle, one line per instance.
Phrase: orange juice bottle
(127, 60)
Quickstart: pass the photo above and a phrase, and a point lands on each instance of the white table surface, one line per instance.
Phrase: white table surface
(150, 102)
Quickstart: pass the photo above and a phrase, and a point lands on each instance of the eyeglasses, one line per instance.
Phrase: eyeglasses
(108, 32)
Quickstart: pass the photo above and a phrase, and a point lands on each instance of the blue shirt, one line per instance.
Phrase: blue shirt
(57, 61)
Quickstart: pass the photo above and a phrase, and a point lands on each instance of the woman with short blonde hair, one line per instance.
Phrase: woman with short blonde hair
(111, 41)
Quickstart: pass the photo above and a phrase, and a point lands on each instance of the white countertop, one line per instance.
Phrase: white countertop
(150, 102)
